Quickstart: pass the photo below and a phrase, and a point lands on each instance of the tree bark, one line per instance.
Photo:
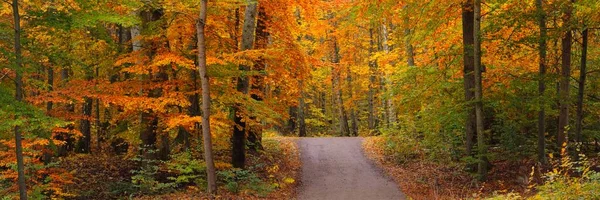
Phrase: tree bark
(542, 48)
(481, 146)
(238, 139)
(337, 86)
(564, 87)
(581, 90)
(372, 84)
(389, 102)
(50, 83)
(208, 155)
(354, 127)
(261, 41)
(19, 97)
(301, 108)
(468, 74)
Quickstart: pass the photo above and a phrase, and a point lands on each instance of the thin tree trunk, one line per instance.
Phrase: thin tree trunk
(371, 95)
(208, 155)
(337, 86)
(301, 108)
(291, 123)
(468, 74)
(582, 76)
(50, 82)
(354, 127)
(238, 153)
(83, 145)
(19, 97)
(389, 102)
(564, 87)
(481, 146)
(541, 148)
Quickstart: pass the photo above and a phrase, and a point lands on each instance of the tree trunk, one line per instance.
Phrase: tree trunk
(337, 86)
(301, 108)
(481, 146)
(372, 84)
(238, 139)
(84, 143)
(354, 127)
(19, 97)
(582, 76)
(50, 82)
(389, 102)
(468, 74)
(564, 87)
(261, 40)
(83, 146)
(291, 123)
(208, 155)
(542, 48)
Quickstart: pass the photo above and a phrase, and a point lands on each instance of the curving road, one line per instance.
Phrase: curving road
(336, 168)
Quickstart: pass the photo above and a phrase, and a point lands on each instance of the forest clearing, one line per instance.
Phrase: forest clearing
(299, 99)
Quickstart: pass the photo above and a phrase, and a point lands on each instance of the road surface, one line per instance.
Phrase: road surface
(336, 168)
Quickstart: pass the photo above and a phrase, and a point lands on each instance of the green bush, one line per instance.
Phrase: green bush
(144, 178)
(236, 180)
(187, 170)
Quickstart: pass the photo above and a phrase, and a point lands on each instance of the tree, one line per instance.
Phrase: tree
(481, 146)
(208, 155)
(468, 73)
(565, 77)
(238, 139)
(19, 97)
(542, 48)
(581, 90)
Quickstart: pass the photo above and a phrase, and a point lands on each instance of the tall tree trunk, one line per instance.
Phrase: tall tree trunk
(582, 76)
(389, 102)
(291, 123)
(542, 48)
(372, 84)
(238, 139)
(19, 97)
(149, 119)
(337, 86)
(481, 146)
(208, 155)
(564, 87)
(468, 74)
(83, 146)
(50, 83)
(354, 127)
(301, 109)
(84, 143)
(261, 40)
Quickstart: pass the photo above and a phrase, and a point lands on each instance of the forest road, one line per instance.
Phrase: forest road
(336, 168)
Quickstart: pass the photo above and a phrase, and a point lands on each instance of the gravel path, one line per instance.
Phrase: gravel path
(336, 168)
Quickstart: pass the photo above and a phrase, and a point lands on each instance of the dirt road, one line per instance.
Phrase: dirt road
(336, 168)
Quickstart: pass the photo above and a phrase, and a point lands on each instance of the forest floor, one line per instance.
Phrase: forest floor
(270, 174)
(423, 179)
(336, 168)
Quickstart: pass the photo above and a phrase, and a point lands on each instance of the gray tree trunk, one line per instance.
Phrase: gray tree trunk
(372, 85)
(542, 48)
(238, 153)
(208, 155)
(481, 146)
(389, 102)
